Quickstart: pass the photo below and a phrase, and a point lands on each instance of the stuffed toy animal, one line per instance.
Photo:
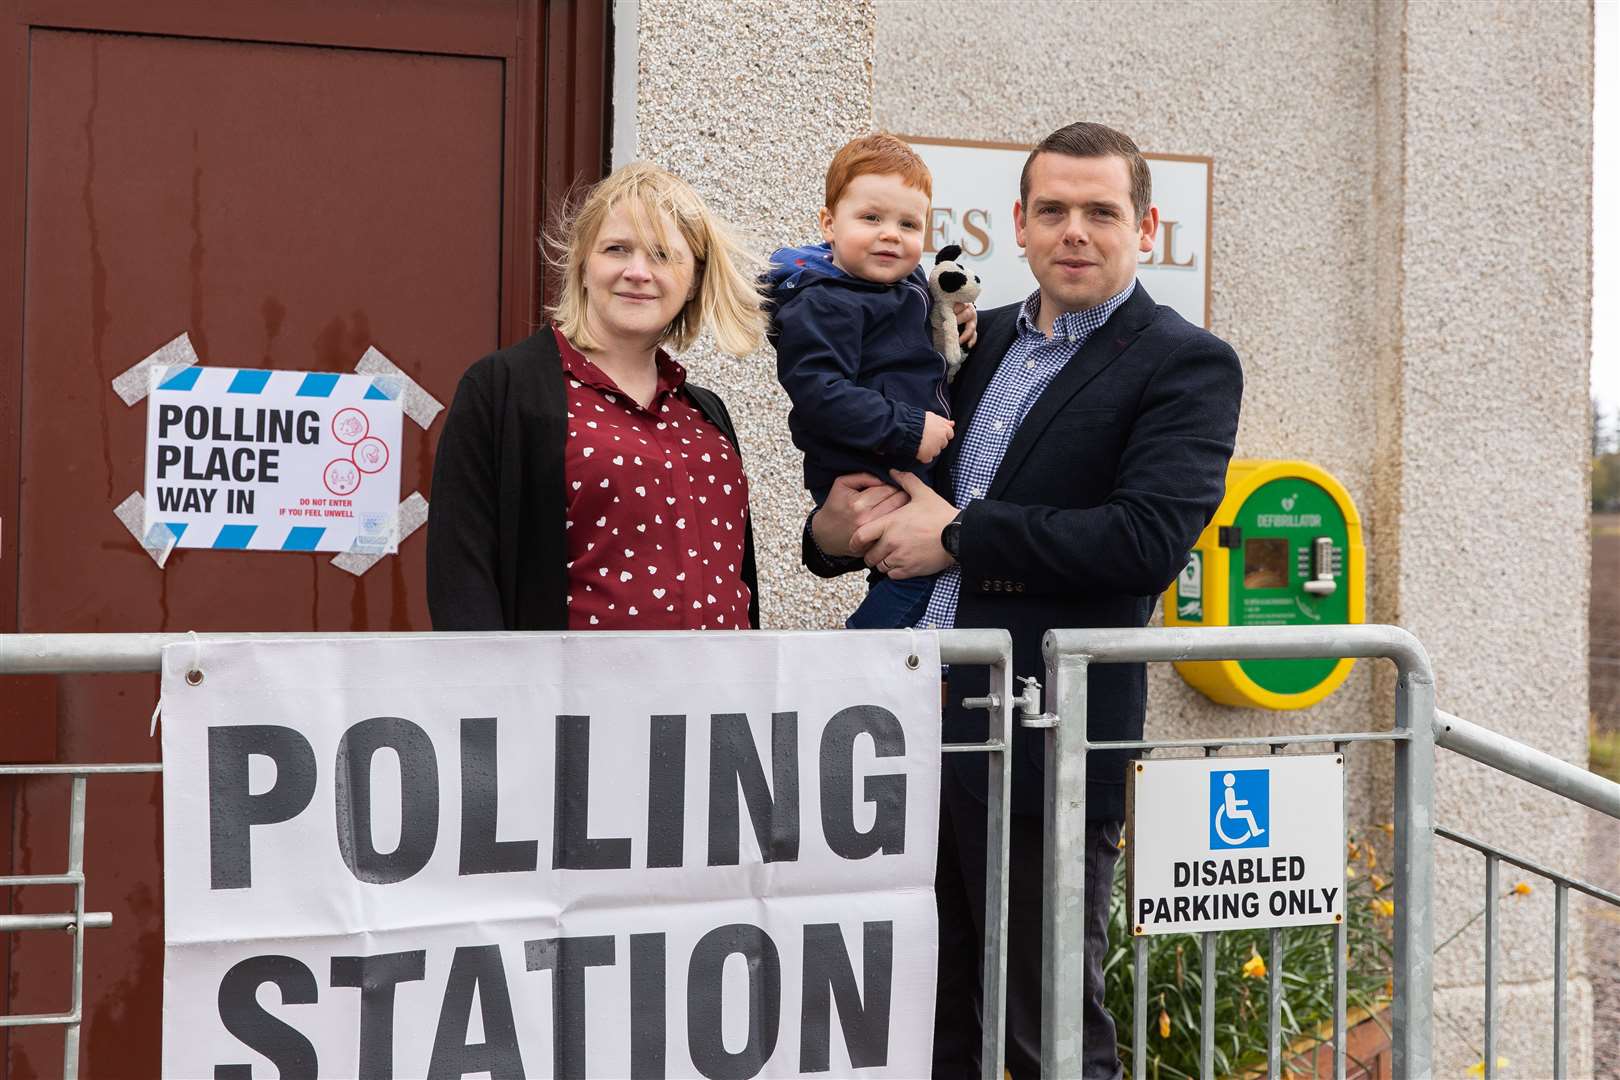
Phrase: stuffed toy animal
(951, 284)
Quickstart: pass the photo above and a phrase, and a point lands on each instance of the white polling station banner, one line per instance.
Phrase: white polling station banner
(572, 855)
(242, 458)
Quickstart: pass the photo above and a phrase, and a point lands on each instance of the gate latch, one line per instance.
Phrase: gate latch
(1028, 704)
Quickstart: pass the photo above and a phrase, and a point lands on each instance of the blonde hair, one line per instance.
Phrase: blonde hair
(727, 294)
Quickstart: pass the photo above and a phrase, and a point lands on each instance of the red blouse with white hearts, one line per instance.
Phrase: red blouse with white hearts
(657, 508)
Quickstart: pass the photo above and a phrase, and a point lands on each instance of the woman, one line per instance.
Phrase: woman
(581, 482)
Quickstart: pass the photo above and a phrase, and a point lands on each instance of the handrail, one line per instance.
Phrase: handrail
(94, 654)
(1155, 644)
(1594, 891)
(1527, 763)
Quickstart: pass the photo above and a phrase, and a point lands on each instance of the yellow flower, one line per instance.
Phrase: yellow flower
(1388, 827)
(1351, 850)
(1254, 967)
(1372, 856)
(1349, 871)
(1164, 1024)
(1523, 889)
(1478, 1067)
(1378, 883)
(1385, 908)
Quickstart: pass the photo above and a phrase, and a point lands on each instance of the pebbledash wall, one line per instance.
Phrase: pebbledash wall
(1401, 258)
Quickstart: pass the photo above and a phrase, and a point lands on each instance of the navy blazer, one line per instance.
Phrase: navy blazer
(1114, 472)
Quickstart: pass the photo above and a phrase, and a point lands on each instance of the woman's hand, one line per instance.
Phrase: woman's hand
(855, 500)
(967, 324)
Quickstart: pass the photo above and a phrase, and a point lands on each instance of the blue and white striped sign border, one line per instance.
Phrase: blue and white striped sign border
(311, 384)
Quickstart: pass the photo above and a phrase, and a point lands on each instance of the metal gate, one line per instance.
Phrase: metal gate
(1418, 728)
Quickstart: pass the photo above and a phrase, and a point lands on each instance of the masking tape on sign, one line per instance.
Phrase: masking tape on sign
(418, 404)
(134, 383)
(413, 512)
(158, 541)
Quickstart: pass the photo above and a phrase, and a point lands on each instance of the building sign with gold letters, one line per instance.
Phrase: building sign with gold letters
(976, 184)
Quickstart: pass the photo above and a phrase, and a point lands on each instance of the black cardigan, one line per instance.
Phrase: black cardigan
(497, 555)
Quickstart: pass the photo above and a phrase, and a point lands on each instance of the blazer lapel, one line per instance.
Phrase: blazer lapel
(1102, 348)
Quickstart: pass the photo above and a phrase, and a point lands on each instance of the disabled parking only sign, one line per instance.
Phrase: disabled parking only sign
(1230, 843)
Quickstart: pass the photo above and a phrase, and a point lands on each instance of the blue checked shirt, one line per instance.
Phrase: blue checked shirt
(1029, 367)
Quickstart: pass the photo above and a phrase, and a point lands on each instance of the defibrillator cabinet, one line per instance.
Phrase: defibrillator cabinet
(1284, 549)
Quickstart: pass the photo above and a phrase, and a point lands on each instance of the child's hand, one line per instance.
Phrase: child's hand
(937, 431)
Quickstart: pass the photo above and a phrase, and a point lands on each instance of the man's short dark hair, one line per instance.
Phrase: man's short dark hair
(1095, 140)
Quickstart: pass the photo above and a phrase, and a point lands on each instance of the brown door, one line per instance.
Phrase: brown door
(288, 183)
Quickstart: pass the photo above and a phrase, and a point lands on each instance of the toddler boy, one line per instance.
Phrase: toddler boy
(853, 350)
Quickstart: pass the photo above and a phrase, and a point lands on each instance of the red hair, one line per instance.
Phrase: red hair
(879, 153)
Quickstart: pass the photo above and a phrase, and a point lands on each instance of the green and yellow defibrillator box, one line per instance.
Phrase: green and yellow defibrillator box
(1284, 549)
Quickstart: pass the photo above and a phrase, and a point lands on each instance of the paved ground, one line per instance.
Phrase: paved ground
(1603, 836)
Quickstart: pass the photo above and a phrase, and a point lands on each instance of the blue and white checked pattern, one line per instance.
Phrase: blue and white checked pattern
(1029, 367)
(255, 381)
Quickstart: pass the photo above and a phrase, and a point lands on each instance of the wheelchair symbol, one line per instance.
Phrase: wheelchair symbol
(1234, 810)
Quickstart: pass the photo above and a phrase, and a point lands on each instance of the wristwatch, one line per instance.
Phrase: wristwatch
(950, 537)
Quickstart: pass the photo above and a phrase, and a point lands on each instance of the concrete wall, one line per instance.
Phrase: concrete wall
(1401, 258)
(748, 101)
(1491, 278)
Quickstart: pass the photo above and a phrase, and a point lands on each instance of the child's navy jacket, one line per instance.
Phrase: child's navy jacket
(857, 360)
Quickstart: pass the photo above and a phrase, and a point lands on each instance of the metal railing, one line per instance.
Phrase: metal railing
(82, 654)
(1546, 771)
(76, 921)
(1417, 729)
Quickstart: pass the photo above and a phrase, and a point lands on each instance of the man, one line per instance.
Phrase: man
(1093, 433)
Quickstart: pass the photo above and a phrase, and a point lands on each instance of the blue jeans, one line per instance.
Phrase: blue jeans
(892, 605)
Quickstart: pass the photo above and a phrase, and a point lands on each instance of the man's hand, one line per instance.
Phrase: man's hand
(967, 324)
(905, 543)
(937, 431)
(854, 501)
